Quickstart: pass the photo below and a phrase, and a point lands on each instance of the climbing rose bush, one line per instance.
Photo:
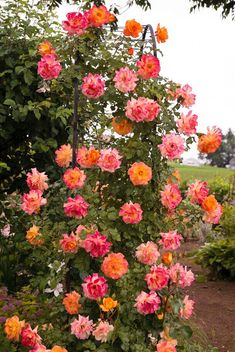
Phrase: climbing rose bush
(102, 235)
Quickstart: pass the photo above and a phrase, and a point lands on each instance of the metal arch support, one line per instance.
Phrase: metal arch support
(153, 38)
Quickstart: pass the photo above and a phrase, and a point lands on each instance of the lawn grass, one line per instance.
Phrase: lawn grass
(203, 172)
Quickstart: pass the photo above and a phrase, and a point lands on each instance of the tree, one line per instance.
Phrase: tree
(227, 6)
(225, 153)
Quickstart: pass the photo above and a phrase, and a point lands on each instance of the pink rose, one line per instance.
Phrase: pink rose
(147, 253)
(96, 244)
(82, 327)
(149, 66)
(76, 23)
(170, 240)
(198, 191)
(74, 178)
(37, 180)
(147, 303)
(187, 124)
(29, 336)
(32, 201)
(166, 346)
(93, 86)
(125, 80)
(142, 109)
(187, 310)
(102, 331)
(157, 278)
(213, 217)
(69, 243)
(171, 196)
(131, 213)
(110, 160)
(94, 286)
(76, 208)
(180, 276)
(185, 95)
(49, 67)
(172, 146)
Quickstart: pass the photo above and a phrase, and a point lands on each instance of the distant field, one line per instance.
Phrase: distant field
(205, 172)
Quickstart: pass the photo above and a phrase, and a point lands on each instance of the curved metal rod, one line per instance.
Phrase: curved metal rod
(154, 42)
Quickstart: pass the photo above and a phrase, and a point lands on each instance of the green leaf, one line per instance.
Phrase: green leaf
(186, 331)
(10, 102)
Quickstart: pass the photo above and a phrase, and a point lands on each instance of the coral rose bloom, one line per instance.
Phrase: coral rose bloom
(131, 213)
(170, 240)
(49, 67)
(64, 155)
(122, 126)
(147, 303)
(94, 286)
(142, 109)
(187, 123)
(75, 24)
(147, 253)
(198, 191)
(69, 244)
(93, 86)
(76, 207)
(13, 327)
(29, 336)
(165, 346)
(32, 236)
(210, 142)
(140, 174)
(110, 160)
(74, 178)
(185, 95)
(157, 278)
(71, 302)
(187, 309)
(45, 48)
(213, 217)
(114, 266)
(125, 80)
(132, 29)
(149, 66)
(171, 196)
(180, 276)
(210, 203)
(96, 244)
(98, 16)
(108, 304)
(87, 158)
(102, 331)
(82, 327)
(32, 201)
(172, 146)
(161, 34)
(37, 180)
(58, 349)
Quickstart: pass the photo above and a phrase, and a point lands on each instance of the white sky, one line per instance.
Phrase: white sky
(200, 51)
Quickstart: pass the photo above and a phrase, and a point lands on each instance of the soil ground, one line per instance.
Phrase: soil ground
(214, 313)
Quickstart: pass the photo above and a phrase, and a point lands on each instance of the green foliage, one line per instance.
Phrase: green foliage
(220, 187)
(227, 222)
(219, 257)
(226, 6)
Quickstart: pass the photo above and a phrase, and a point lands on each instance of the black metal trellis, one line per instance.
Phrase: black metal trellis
(147, 28)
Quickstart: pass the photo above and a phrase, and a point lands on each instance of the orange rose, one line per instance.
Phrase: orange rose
(161, 34)
(71, 302)
(130, 51)
(58, 349)
(13, 327)
(210, 142)
(132, 29)
(32, 236)
(98, 16)
(45, 48)
(210, 203)
(114, 266)
(122, 126)
(64, 155)
(167, 258)
(140, 174)
(108, 304)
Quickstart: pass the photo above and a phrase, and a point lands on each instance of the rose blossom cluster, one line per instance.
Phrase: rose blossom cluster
(142, 109)
(163, 277)
(78, 22)
(20, 331)
(37, 183)
(48, 67)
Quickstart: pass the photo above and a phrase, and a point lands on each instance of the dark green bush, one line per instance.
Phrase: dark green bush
(219, 258)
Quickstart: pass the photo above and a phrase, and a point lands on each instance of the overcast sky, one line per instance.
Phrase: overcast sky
(200, 51)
